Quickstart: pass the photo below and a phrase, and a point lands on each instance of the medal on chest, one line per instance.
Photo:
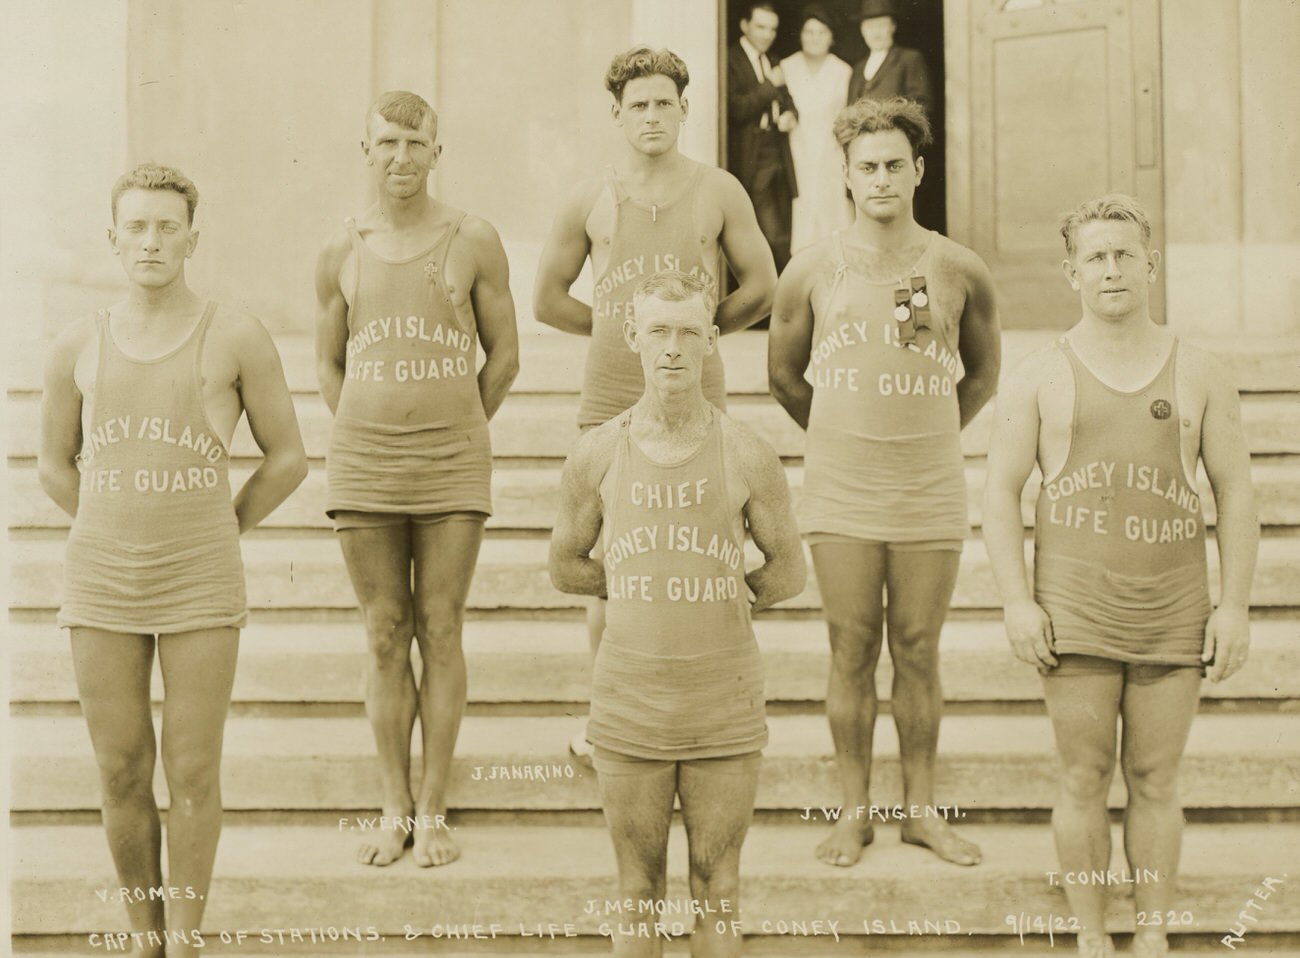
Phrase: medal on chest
(911, 310)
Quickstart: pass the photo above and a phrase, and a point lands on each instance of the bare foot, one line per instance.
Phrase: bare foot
(847, 839)
(942, 839)
(581, 749)
(387, 842)
(434, 846)
(1154, 945)
(1094, 945)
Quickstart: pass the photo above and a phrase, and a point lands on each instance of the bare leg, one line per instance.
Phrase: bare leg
(919, 586)
(717, 807)
(379, 564)
(1157, 718)
(850, 577)
(1084, 710)
(113, 674)
(638, 809)
(445, 555)
(198, 670)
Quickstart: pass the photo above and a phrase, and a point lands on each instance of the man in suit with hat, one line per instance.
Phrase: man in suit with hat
(888, 70)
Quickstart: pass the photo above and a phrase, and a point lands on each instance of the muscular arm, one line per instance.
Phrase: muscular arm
(494, 312)
(331, 319)
(789, 342)
(56, 461)
(980, 341)
(784, 573)
(578, 522)
(1012, 453)
(562, 258)
(749, 256)
(273, 423)
(1227, 463)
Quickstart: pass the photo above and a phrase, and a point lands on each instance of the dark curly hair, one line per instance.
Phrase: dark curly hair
(877, 116)
(645, 62)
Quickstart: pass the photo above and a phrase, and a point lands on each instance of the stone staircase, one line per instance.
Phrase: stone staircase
(299, 778)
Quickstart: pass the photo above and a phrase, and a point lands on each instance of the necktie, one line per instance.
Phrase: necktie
(766, 122)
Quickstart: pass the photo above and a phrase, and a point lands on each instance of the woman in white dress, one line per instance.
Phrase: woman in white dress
(818, 81)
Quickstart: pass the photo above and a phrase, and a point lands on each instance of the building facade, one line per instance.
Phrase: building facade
(1185, 103)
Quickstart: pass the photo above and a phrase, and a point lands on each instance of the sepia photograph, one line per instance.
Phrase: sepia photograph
(651, 477)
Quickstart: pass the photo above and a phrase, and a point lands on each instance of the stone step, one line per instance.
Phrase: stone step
(307, 877)
(553, 363)
(302, 573)
(544, 426)
(527, 498)
(548, 662)
(521, 763)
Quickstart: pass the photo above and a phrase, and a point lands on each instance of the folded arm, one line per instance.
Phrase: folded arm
(578, 522)
(1012, 454)
(1226, 455)
(494, 313)
(771, 522)
(273, 423)
(56, 459)
(563, 256)
(331, 319)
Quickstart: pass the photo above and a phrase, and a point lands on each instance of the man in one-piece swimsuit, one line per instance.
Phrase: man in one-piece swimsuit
(653, 209)
(1116, 414)
(139, 407)
(406, 292)
(884, 314)
(677, 707)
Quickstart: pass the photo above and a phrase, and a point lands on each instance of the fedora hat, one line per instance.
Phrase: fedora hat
(877, 8)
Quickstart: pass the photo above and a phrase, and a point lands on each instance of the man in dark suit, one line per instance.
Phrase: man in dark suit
(888, 70)
(760, 115)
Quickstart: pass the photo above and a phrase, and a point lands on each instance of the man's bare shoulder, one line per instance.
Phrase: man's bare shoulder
(720, 185)
(241, 334)
(747, 450)
(1204, 380)
(71, 342)
(593, 452)
(960, 261)
(481, 235)
(812, 262)
(1044, 368)
(335, 249)
(77, 333)
(1201, 367)
(580, 199)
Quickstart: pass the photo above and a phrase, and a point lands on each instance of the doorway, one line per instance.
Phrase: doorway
(920, 26)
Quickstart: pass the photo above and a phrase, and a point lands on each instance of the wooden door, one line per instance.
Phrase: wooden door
(1062, 104)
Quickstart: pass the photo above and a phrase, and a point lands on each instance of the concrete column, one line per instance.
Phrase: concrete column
(404, 51)
(690, 29)
(1203, 165)
(63, 91)
(1232, 211)
(1270, 159)
(262, 105)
